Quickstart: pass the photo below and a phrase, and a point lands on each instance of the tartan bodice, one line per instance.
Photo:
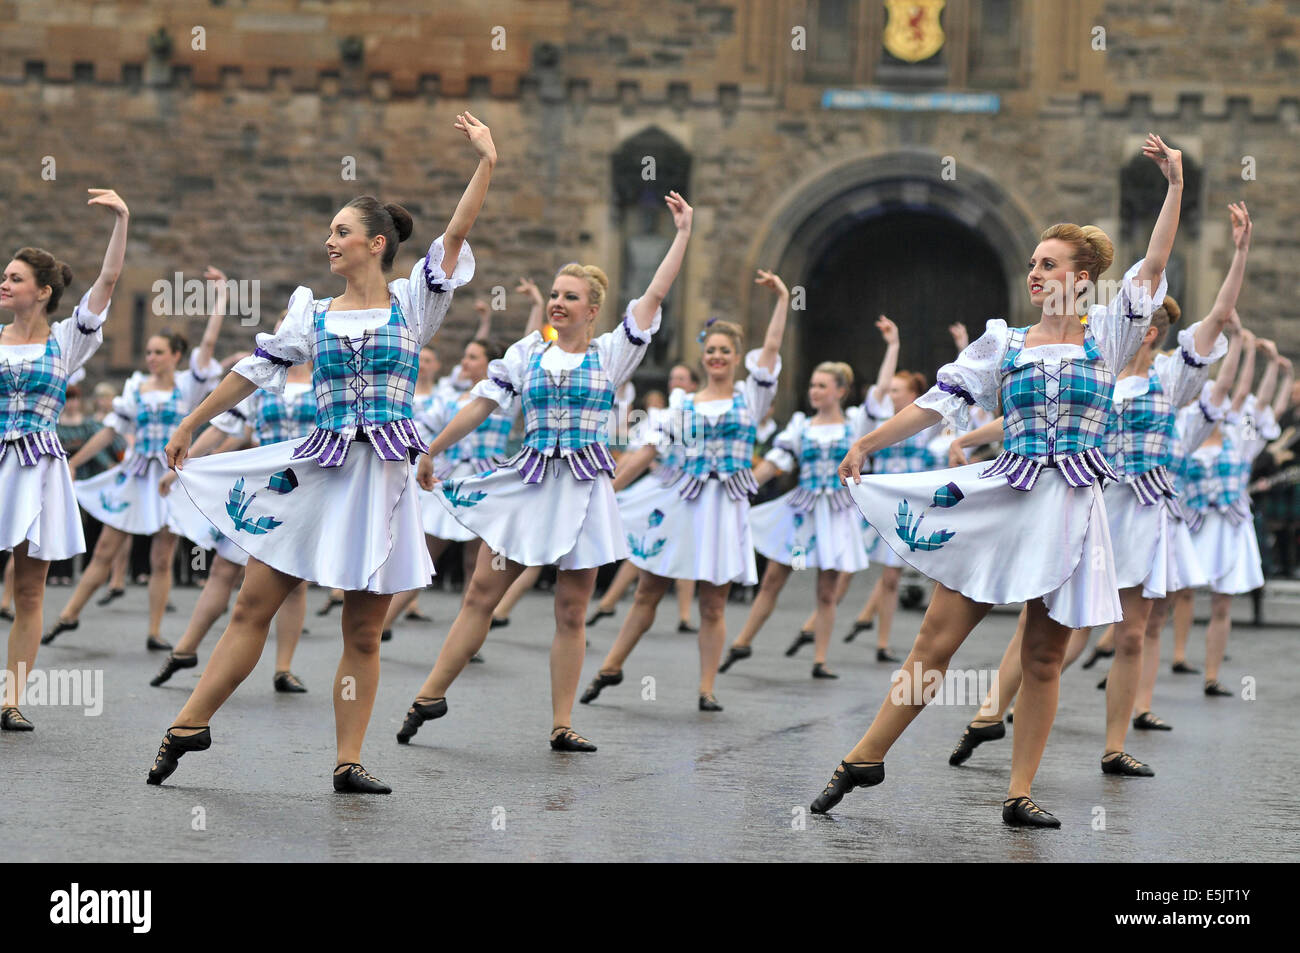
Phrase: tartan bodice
(367, 381)
(32, 392)
(284, 418)
(1140, 434)
(566, 411)
(1055, 408)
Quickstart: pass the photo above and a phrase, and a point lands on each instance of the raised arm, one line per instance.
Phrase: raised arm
(889, 364)
(1161, 245)
(960, 336)
(1283, 399)
(529, 287)
(1228, 369)
(776, 324)
(208, 345)
(1268, 383)
(644, 312)
(102, 290)
(484, 329)
(1246, 375)
(462, 220)
(908, 421)
(1226, 300)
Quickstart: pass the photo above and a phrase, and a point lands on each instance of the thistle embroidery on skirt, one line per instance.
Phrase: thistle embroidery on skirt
(283, 481)
(909, 529)
(640, 547)
(110, 505)
(451, 490)
(237, 505)
(799, 550)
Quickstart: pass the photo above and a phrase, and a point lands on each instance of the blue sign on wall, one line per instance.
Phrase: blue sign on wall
(911, 102)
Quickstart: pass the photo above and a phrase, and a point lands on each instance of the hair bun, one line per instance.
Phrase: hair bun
(1101, 245)
(65, 272)
(598, 275)
(401, 220)
(1172, 309)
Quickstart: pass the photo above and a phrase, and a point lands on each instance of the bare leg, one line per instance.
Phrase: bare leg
(111, 542)
(1122, 682)
(1107, 640)
(650, 590)
(774, 580)
(117, 578)
(357, 680)
(841, 590)
(7, 598)
(214, 598)
(1078, 642)
(870, 607)
(828, 581)
(1216, 633)
(1041, 656)
(685, 596)
(161, 550)
(624, 576)
(527, 579)
(1001, 695)
(406, 600)
(1151, 656)
(1184, 606)
(240, 646)
(288, 627)
(470, 628)
(947, 622)
(25, 633)
(572, 595)
(887, 604)
(713, 630)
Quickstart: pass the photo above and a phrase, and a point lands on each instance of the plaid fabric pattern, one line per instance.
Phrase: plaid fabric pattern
(1140, 434)
(362, 383)
(1055, 410)
(908, 456)
(819, 463)
(485, 442)
(279, 418)
(1217, 486)
(566, 411)
(722, 448)
(156, 422)
(32, 392)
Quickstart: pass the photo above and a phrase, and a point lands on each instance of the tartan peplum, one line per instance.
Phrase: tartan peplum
(1055, 415)
(721, 448)
(32, 394)
(364, 385)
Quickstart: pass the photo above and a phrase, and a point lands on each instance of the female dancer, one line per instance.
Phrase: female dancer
(700, 527)
(265, 418)
(351, 482)
(553, 502)
(634, 502)
(39, 521)
(815, 525)
(1055, 381)
(1216, 475)
(126, 498)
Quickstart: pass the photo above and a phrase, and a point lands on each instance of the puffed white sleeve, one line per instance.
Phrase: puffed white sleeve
(291, 344)
(197, 381)
(622, 349)
(238, 418)
(506, 375)
(1194, 422)
(879, 410)
(973, 379)
(426, 295)
(1118, 327)
(788, 444)
(125, 406)
(759, 387)
(860, 422)
(1184, 372)
(81, 335)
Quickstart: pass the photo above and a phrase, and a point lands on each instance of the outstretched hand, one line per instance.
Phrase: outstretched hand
(770, 279)
(851, 467)
(178, 448)
(108, 198)
(479, 136)
(424, 473)
(529, 287)
(1241, 226)
(682, 213)
(888, 329)
(960, 336)
(1169, 160)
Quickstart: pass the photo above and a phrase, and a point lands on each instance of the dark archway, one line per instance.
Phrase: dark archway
(922, 268)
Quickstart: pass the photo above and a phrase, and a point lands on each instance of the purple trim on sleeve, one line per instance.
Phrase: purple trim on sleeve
(627, 329)
(236, 412)
(957, 391)
(763, 383)
(85, 330)
(433, 284)
(1192, 360)
(504, 385)
(266, 355)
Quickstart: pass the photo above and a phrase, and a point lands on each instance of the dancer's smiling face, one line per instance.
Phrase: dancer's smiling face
(159, 357)
(570, 305)
(679, 378)
(18, 291)
(347, 246)
(901, 392)
(474, 362)
(824, 392)
(1049, 267)
(720, 357)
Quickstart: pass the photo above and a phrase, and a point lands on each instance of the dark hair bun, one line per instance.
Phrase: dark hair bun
(401, 220)
(65, 272)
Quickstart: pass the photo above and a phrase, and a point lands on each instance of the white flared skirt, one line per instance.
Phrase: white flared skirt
(38, 504)
(820, 538)
(354, 527)
(128, 503)
(571, 523)
(1229, 554)
(437, 521)
(187, 520)
(997, 545)
(879, 551)
(707, 539)
(1153, 548)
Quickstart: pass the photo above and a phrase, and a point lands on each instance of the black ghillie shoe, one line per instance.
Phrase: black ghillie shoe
(1092, 660)
(155, 644)
(1101, 686)
(687, 628)
(418, 714)
(819, 670)
(173, 665)
(415, 615)
(847, 776)
(386, 635)
(973, 737)
(882, 655)
(1125, 764)
(1022, 812)
(598, 615)
(7, 614)
(171, 749)
(566, 739)
(11, 719)
(289, 683)
(1149, 722)
(709, 703)
(354, 779)
(859, 627)
(498, 623)
(59, 626)
(477, 659)
(601, 680)
(800, 640)
(1213, 688)
(329, 606)
(110, 596)
(1182, 668)
(734, 655)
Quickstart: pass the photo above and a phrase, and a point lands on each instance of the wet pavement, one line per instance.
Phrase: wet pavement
(668, 783)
